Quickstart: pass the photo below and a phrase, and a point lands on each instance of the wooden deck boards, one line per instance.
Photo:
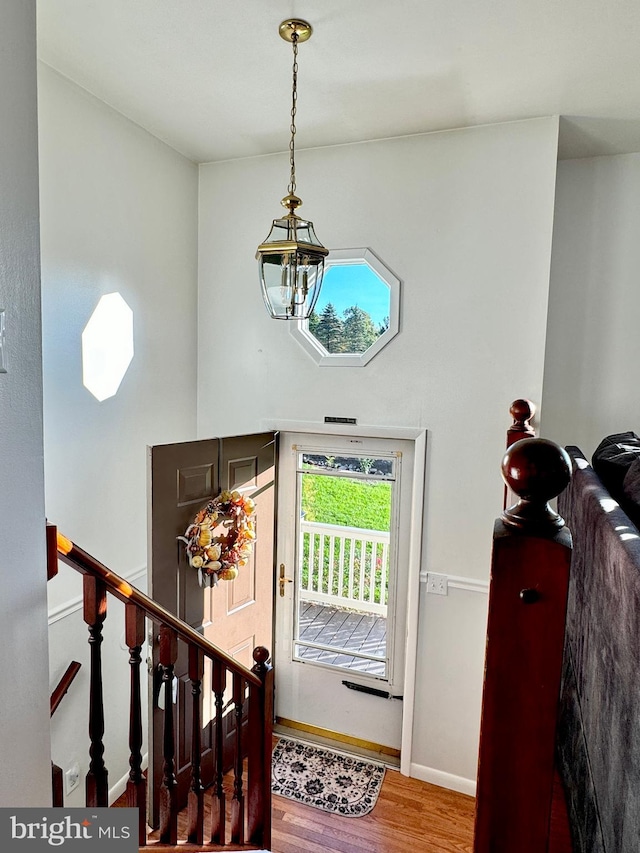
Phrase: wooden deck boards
(345, 630)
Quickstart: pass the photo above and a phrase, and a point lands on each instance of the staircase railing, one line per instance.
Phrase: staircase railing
(250, 814)
(346, 566)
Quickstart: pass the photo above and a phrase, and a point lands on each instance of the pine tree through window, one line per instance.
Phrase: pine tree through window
(357, 310)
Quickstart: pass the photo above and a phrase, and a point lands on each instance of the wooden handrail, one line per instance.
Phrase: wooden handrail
(83, 562)
(64, 684)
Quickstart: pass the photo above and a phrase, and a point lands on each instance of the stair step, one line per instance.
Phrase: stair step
(184, 847)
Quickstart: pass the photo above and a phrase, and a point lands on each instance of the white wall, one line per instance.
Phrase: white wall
(25, 779)
(119, 213)
(464, 218)
(592, 366)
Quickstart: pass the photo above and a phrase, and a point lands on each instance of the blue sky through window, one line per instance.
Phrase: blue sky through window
(355, 284)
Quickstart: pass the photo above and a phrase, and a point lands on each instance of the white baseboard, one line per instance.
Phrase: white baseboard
(120, 787)
(443, 780)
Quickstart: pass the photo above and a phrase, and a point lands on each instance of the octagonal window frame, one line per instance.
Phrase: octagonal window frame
(311, 345)
(95, 357)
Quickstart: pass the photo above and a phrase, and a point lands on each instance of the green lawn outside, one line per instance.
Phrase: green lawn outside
(351, 503)
(354, 503)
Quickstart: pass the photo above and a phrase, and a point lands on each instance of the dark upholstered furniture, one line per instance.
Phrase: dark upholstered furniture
(598, 740)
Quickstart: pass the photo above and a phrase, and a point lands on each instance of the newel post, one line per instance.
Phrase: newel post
(522, 412)
(260, 748)
(523, 663)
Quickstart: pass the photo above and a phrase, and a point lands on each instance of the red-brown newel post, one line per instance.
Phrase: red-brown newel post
(523, 663)
(52, 550)
(260, 747)
(522, 411)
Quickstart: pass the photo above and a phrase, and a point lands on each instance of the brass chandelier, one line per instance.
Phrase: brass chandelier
(291, 259)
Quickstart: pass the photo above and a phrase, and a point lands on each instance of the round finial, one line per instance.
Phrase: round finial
(291, 202)
(536, 470)
(522, 411)
(260, 655)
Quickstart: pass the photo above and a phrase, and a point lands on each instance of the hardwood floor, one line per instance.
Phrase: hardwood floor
(409, 817)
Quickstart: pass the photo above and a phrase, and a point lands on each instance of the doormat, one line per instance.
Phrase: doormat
(327, 780)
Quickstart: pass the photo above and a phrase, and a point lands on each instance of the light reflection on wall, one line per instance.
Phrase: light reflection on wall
(107, 346)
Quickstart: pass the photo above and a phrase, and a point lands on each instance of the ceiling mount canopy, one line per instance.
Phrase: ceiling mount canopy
(291, 259)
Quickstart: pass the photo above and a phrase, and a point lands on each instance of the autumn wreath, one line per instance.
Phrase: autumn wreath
(219, 540)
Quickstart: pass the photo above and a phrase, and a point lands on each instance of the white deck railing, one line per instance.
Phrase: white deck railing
(344, 566)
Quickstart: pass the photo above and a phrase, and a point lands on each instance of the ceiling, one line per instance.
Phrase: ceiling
(212, 78)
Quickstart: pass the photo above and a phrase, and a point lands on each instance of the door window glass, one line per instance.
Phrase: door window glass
(344, 560)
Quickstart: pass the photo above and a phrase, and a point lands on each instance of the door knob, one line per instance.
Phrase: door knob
(283, 580)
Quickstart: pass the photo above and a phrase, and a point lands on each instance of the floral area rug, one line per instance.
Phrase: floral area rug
(324, 779)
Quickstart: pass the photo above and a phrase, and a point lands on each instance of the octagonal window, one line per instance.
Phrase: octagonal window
(107, 346)
(357, 312)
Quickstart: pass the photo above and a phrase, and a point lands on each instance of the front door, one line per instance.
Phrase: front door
(345, 507)
(234, 615)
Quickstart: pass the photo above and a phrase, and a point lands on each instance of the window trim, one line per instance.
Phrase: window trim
(347, 257)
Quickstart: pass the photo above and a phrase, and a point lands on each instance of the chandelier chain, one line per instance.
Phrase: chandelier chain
(294, 107)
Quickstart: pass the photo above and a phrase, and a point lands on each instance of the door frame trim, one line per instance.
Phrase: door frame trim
(419, 438)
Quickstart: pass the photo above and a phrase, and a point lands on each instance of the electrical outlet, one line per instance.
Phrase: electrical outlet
(72, 778)
(437, 584)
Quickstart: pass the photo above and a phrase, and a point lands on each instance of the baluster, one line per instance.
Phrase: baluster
(136, 785)
(218, 799)
(332, 549)
(260, 737)
(57, 786)
(372, 572)
(352, 565)
(341, 568)
(312, 544)
(168, 803)
(196, 793)
(95, 612)
(321, 564)
(383, 578)
(363, 568)
(237, 804)
(523, 663)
